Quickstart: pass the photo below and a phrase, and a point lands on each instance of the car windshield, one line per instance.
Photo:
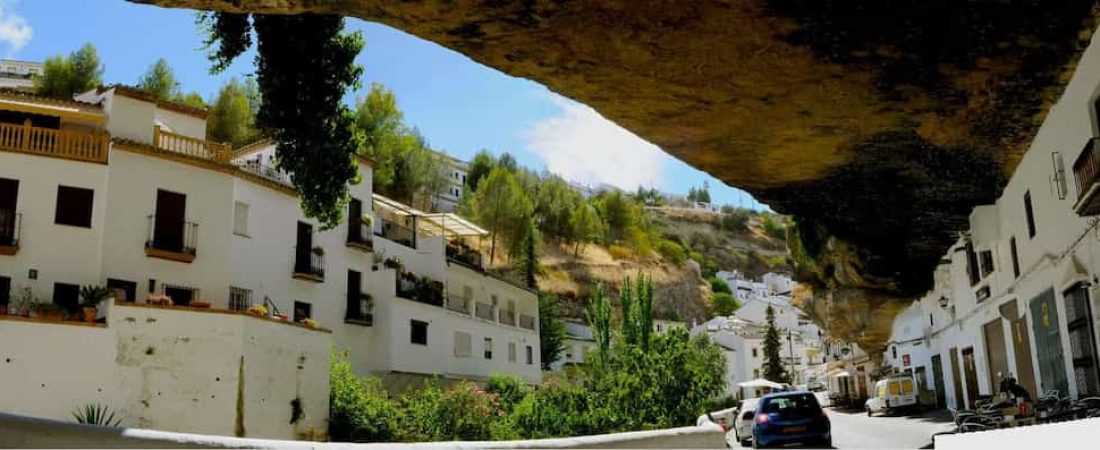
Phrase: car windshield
(792, 406)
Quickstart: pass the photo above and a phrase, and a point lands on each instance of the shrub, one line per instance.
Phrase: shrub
(556, 408)
(620, 252)
(774, 228)
(671, 251)
(723, 304)
(463, 413)
(510, 390)
(359, 409)
(718, 285)
(735, 220)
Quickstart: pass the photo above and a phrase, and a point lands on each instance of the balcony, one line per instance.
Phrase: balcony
(359, 235)
(10, 222)
(458, 303)
(267, 172)
(65, 144)
(464, 255)
(191, 147)
(359, 309)
(420, 289)
(526, 321)
(395, 232)
(507, 317)
(309, 265)
(483, 311)
(1086, 170)
(174, 240)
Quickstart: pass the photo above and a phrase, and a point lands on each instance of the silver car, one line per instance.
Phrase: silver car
(742, 427)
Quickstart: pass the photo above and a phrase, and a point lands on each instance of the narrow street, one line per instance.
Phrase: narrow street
(853, 429)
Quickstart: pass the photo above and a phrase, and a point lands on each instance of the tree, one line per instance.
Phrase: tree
(718, 285)
(501, 207)
(637, 308)
(619, 213)
(304, 65)
(584, 226)
(723, 304)
(160, 80)
(555, 203)
(193, 99)
(599, 318)
(63, 77)
(551, 330)
(479, 168)
(508, 161)
(231, 118)
(773, 363)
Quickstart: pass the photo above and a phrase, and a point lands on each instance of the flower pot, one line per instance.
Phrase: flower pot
(282, 317)
(200, 304)
(90, 313)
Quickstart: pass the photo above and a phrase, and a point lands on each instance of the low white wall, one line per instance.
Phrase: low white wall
(21, 431)
(1054, 435)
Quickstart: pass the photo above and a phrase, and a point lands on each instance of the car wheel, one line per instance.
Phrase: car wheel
(746, 443)
(868, 412)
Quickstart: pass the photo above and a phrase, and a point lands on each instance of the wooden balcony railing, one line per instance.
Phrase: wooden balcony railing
(189, 146)
(526, 321)
(1086, 170)
(67, 144)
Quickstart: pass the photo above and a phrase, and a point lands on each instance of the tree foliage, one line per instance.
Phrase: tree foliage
(305, 64)
(718, 285)
(231, 118)
(502, 208)
(359, 409)
(65, 76)
(160, 80)
(551, 331)
(773, 362)
(724, 304)
(584, 226)
(479, 168)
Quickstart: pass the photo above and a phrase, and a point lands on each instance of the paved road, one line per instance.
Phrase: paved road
(856, 430)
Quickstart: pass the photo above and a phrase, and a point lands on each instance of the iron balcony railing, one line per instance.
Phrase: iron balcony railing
(1086, 169)
(526, 321)
(267, 172)
(458, 303)
(310, 264)
(359, 233)
(465, 256)
(359, 308)
(9, 228)
(483, 311)
(397, 233)
(507, 317)
(176, 236)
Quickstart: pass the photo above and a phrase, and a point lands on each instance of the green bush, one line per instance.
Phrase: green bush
(735, 220)
(461, 414)
(620, 252)
(359, 409)
(555, 408)
(509, 389)
(723, 304)
(671, 251)
(718, 285)
(774, 228)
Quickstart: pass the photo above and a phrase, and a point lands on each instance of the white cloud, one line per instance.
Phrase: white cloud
(581, 145)
(15, 32)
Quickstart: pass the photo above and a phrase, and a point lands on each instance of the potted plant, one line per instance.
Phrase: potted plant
(257, 310)
(310, 323)
(90, 297)
(159, 299)
(47, 311)
(23, 302)
(204, 305)
(283, 317)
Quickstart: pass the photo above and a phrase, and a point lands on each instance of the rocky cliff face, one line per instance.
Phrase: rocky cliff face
(878, 123)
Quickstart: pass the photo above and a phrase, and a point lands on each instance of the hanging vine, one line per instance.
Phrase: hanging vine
(304, 66)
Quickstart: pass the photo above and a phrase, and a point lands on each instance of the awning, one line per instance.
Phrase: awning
(395, 207)
(760, 383)
(839, 373)
(450, 224)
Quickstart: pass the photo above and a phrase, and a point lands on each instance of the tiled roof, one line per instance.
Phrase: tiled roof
(141, 94)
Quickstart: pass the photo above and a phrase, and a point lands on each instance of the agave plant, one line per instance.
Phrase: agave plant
(91, 295)
(96, 414)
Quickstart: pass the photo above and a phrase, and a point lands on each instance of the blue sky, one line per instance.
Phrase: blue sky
(459, 105)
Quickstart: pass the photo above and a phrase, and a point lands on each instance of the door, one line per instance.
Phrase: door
(355, 220)
(937, 380)
(956, 380)
(1025, 368)
(355, 308)
(996, 353)
(922, 383)
(9, 195)
(180, 295)
(168, 222)
(1048, 345)
(303, 248)
(1081, 340)
(970, 373)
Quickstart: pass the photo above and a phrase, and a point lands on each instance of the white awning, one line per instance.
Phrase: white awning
(760, 383)
(451, 224)
(839, 373)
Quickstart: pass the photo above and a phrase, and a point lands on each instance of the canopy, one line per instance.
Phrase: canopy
(452, 225)
(760, 383)
(839, 373)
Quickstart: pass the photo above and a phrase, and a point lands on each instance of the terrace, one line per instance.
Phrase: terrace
(52, 128)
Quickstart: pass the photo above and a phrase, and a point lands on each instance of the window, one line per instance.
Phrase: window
(462, 344)
(5, 292)
(240, 219)
(906, 386)
(986, 257)
(1030, 215)
(125, 291)
(239, 298)
(894, 351)
(972, 270)
(512, 352)
(74, 207)
(754, 352)
(180, 295)
(418, 332)
(1015, 258)
(66, 295)
(488, 348)
(530, 355)
(302, 311)
(931, 322)
(756, 373)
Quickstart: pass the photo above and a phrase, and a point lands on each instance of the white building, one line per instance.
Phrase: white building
(578, 344)
(120, 189)
(1017, 294)
(455, 171)
(16, 74)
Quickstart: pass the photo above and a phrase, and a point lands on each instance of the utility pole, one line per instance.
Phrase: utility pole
(790, 348)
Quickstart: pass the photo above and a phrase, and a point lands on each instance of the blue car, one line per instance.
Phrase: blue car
(791, 418)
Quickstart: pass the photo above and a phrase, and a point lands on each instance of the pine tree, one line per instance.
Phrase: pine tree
(599, 318)
(773, 364)
(551, 330)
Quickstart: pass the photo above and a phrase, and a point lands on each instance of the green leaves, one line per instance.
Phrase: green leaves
(231, 117)
(501, 206)
(773, 362)
(96, 414)
(551, 331)
(62, 77)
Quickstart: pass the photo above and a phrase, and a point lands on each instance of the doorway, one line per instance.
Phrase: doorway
(996, 353)
(956, 380)
(937, 380)
(970, 372)
(1048, 345)
(1081, 339)
(168, 223)
(9, 196)
(304, 248)
(1025, 368)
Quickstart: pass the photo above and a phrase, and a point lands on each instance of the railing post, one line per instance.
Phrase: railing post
(156, 136)
(25, 145)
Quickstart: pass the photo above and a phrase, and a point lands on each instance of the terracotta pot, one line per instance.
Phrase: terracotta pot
(200, 304)
(89, 314)
(283, 317)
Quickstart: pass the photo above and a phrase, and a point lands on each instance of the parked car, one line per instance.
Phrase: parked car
(791, 418)
(815, 386)
(742, 426)
(892, 394)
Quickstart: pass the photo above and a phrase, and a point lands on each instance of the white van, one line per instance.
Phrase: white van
(891, 394)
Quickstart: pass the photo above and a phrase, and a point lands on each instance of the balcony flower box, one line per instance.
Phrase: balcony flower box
(257, 310)
(200, 305)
